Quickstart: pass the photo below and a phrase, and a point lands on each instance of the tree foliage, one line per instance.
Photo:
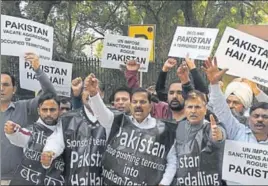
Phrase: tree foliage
(78, 24)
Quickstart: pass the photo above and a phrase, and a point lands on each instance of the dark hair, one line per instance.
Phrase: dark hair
(120, 89)
(260, 105)
(65, 100)
(48, 96)
(173, 82)
(195, 94)
(11, 77)
(149, 96)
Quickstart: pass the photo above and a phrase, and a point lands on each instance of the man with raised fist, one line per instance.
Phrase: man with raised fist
(140, 148)
(32, 139)
(23, 112)
(81, 139)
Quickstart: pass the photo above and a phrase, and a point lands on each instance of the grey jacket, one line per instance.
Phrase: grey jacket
(23, 112)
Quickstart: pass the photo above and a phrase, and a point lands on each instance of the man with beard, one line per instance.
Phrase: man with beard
(81, 140)
(239, 96)
(197, 80)
(22, 111)
(256, 132)
(140, 148)
(32, 139)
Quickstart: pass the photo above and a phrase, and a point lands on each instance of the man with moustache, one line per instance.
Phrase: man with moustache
(160, 110)
(140, 148)
(198, 145)
(22, 111)
(32, 139)
(81, 140)
(256, 131)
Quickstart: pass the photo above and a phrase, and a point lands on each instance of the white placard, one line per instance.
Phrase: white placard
(59, 73)
(197, 42)
(21, 35)
(119, 49)
(245, 163)
(244, 55)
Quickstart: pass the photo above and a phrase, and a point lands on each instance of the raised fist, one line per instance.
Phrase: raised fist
(91, 84)
(77, 85)
(169, 64)
(11, 127)
(33, 59)
(46, 158)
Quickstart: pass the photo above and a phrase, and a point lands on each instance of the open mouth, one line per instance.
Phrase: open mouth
(259, 126)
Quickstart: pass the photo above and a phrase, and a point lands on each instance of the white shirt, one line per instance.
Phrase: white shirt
(55, 142)
(21, 137)
(106, 117)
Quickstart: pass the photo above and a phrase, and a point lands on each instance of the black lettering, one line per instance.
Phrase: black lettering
(109, 55)
(231, 38)
(141, 36)
(8, 23)
(229, 52)
(231, 167)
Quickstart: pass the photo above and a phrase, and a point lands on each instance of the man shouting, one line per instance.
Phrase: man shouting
(140, 149)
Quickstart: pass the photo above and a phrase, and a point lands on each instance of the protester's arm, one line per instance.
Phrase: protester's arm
(171, 167)
(18, 137)
(99, 109)
(43, 79)
(258, 93)
(223, 112)
(55, 142)
(161, 81)
(220, 107)
(183, 75)
(101, 112)
(262, 97)
(217, 133)
(160, 87)
(77, 102)
(77, 87)
(131, 74)
(132, 79)
(198, 80)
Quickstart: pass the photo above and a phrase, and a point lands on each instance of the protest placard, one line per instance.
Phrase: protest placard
(120, 49)
(197, 42)
(21, 35)
(59, 73)
(244, 55)
(245, 163)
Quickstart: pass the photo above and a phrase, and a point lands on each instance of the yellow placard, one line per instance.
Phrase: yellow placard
(146, 32)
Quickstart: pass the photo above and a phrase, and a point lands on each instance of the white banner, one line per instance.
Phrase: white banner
(246, 56)
(59, 73)
(245, 163)
(119, 49)
(21, 35)
(197, 42)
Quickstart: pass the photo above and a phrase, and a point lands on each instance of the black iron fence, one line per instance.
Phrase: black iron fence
(111, 78)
